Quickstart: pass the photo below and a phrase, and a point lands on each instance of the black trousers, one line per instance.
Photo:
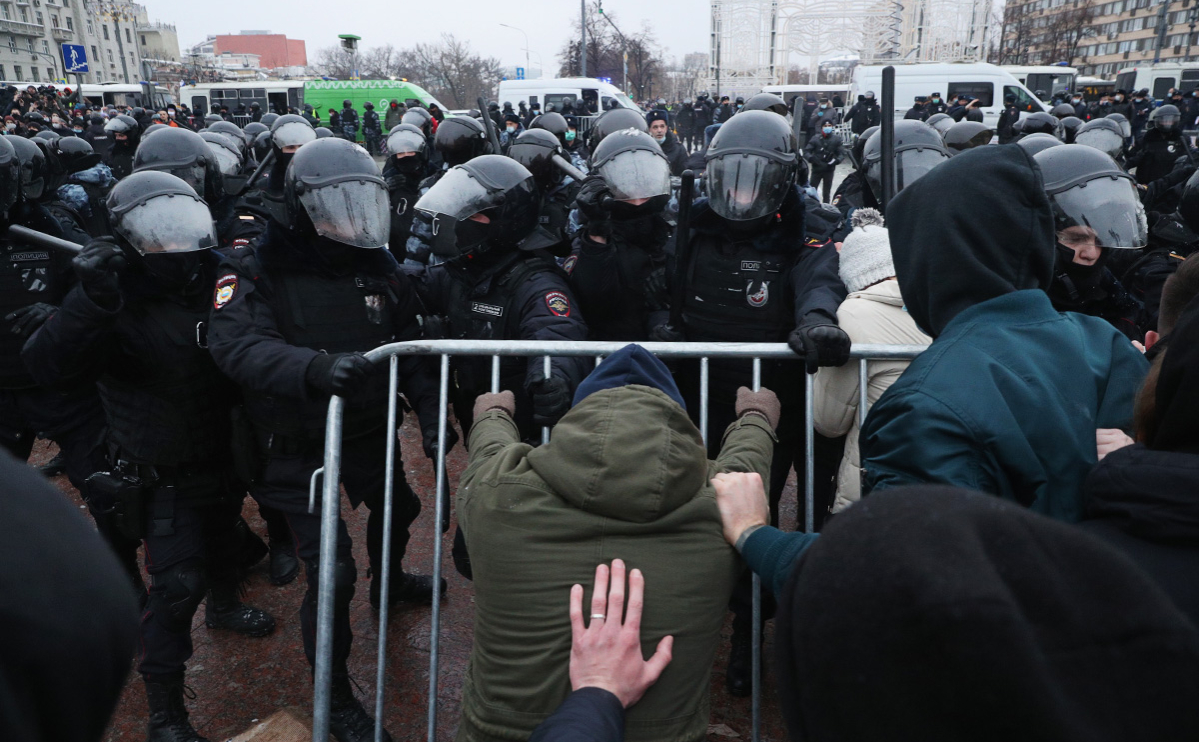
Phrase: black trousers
(823, 179)
(284, 487)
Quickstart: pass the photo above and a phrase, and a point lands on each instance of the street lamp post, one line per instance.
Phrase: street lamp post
(514, 28)
(117, 12)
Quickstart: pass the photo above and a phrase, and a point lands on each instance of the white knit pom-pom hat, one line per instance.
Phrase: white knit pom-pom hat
(866, 252)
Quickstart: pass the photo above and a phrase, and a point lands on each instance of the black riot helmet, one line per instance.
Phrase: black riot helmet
(33, 168)
(153, 128)
(156, 213)
(1039, 123)
(255, 106)
(409, 149)
(268, 118)
(229, 129)
(290, 132)
(941, 122)
(323, 132)
(126, 126)
(974, 114)
(634, 168)
(212, 118)
(1188, 202)
(1062, 110)
(48, 134)
(76, 154)
(1122, 120)
(228, 157)
(347, 103)
(369, 106)
(254, 128)
(918, 149)
(420, 118)
(459, 139)
(535, 150)
(966, 135)
(1034, 143)
(1102, 134)
(554, 123)
(262, 145)
(615, 119)
(767, 102)
(35, 118)
(333, 188)
(185, 155)
(498, 189)
(1092, 198)
(752, 164)
(10, 174)
(1165, 118)
(56, 172)
(859, 144)
(1069, 128)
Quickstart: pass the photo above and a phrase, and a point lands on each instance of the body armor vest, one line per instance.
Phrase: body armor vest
(28, 275)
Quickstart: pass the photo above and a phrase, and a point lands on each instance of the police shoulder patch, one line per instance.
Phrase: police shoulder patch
(569, 264)
(226, 287)
(558, 304)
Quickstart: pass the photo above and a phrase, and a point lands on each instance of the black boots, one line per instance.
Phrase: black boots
(55, 466)
(224, 610)
(168, 714)
(348, 721)
(739, 676)
(408, 589)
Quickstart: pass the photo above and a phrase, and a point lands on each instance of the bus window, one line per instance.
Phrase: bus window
(1126, 80)
(1024, 101)
(199, 105)
(557, 101)
(590, 101)
(1161, 87)
(277, 102)
(295, 98)
(984, 91)
(1190, 80)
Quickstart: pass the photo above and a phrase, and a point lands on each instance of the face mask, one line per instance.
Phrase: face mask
(828, 130)
(1076, 101)
(660, 139)
(936, 100)
(174, 270)
(511, 129)
(78, 131)
(10, 127)
(570, 136)
(1106, 103)
(824, 105)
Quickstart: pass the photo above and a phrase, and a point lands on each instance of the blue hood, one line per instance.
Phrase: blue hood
(631, 364)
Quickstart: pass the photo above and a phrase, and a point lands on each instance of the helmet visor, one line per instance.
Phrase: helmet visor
(402, 142)
(636, 174)
(352, 212)
(1106, 209)
(1126, 129)
(1167, 121)
(913, 164)
(457, 195)
(293, 134)
(192, 174)
(1104, 140)
(742, 187)
(226, 161)
(168, 224)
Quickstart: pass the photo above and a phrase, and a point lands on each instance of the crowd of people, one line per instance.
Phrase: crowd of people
(1003, 548)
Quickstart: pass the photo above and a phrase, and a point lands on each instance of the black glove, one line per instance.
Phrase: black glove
(657, 294)
(429, 440)
(820, 345)
(342, 374)
(27, 319)
(594, 201)
(99, 267)
(551, 400)
(664, 333)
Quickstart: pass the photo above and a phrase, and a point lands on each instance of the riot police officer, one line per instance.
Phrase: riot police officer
(135, 325)
(126, 134)
(535, 150)
(371, 128)
(1097, 211)
(751, 277)
(1162, 144)
(349, 121)
(1173, 238)
(408, 155)
(918, 149)
(618, 263)
(852, 193)
(498, 282)
(290, 323)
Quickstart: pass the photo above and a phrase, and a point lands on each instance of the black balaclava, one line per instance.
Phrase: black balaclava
(1075, 285)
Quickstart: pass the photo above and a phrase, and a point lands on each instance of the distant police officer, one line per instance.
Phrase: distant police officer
(290, 323)
(135, 324)
(372, 130)
(126, 134)
(864, 114)
(1162, 144)
(349, 121)
(618, 264)
(408, 155)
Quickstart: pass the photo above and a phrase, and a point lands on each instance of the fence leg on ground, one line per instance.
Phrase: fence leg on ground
(330, 513)
(385, 571)
(756, 662)
(863, 379)
(809, 479)
(435, 619)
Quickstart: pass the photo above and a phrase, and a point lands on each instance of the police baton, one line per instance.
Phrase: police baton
(568, 168)
(40, 239)
(682, 250)
(262, 166)
(489, 125)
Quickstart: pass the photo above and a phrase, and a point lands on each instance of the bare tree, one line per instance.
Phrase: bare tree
(452, 72)
(1016, 34)
(1066, 30)
(333, 61)
(605, 55)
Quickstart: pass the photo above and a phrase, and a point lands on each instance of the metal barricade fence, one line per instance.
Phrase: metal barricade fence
(331, 495)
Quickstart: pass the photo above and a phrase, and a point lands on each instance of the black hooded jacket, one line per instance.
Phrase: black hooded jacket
(947, 263)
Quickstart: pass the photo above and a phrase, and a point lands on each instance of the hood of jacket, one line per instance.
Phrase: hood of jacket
(883, 292)
(630, 453)
(950, 254)
(1152, 495)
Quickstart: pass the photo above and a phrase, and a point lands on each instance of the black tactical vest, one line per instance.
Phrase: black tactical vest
(167, 403)
(738, 293)
(345, 314)
(28, 275)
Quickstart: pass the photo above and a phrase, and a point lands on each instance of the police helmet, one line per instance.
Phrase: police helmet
(1034, 143)
(1093, 199)
(405, 138)
(48, 134)
(32, 160)
(1165, 118)
(262, 145)
(231, 130)
(369, 106)
(269, 118)
(322, 132)
(347, 103)
(459, 139)
(941, 122)
(1122, 120)
(420, 118)
(35, 117)
(228, 157)
(153, 128)
(974, 114)
(535, 150)
(966, 135)
(254, 106)
(185, 155)
(1039, 123)
(1069, 128)
(499, 189)
(290, 132)
(766, 102)
(10, 174)
(633, 166)
(1188, 202)
(254, 128)
(615, 119)
(126, 126)
(333, 187)
(156, 213)
(918, 149)
(1062, 110)
(859, 144)
(76, 154)
(209, 119)
(752, 165)
(554, 123)
(1103, 134)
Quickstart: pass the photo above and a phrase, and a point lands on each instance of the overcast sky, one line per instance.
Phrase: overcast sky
(681, 26)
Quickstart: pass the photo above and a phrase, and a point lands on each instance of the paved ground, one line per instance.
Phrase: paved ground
(238, 681)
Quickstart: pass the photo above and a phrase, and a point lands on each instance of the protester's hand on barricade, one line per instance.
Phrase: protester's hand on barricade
(503, 401)
(607, 652)
(741, 499)
(762, 402)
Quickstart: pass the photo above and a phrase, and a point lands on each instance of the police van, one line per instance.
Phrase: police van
(1159, 78)
(587, 96)
(268, 94)
(1052, 79)
(988, 83)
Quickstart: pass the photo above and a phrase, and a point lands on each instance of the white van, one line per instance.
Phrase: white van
(987, 82)
(583, 93)
(1052, 79)
(1159, 78)
(828, 90)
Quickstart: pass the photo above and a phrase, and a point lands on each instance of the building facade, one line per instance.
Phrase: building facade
(1099, 38)
(273, 50)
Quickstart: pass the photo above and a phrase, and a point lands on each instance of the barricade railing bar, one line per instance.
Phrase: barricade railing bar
(330, 480)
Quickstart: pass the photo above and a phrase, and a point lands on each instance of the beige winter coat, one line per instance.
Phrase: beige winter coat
(873, 315)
